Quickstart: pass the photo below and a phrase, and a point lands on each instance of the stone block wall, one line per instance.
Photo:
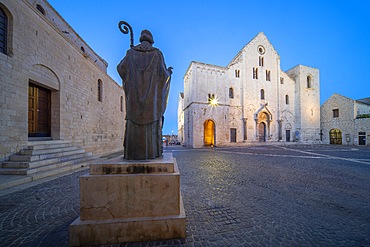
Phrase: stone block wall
(46, 51)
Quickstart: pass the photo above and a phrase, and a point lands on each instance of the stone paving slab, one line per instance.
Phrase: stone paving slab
(231, 198)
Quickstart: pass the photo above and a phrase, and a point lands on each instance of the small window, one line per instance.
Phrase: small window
(231, 93)
(3, 31)
(281, 80)
(268, 78)
(335, 113)
(287, 99)
(237, 73)
(121, 103)
(255, 73)
(82, 49)
(40, 9)
(309, 82)
(262, 94)
(100, 90)
(261, 61)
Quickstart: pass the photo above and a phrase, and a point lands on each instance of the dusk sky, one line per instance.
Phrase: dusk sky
(333, 36)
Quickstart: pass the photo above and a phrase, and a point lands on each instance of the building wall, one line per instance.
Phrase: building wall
(346, 120)
(46, 51)
(288, 105)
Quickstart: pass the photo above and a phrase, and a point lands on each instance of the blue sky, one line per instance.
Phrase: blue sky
(333, 36)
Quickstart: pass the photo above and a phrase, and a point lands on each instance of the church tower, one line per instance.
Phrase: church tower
(307, 102)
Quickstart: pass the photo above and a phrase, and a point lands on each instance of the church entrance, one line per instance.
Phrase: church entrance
(262, 132)
(287, 135)
(232, 135)
(209, 133)
(39, 113)
(335, 137)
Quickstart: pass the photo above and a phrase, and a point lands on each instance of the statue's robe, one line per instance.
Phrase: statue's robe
(146, 82)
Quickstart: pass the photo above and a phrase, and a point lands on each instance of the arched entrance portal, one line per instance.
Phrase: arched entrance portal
(209, 133)
(335, 136)
(263, 126)
(262, 132)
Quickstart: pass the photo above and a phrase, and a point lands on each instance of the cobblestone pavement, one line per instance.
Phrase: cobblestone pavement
(296, 195)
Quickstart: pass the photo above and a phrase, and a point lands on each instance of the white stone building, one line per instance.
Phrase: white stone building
(345, 121)
(256, 100)
(52, 84)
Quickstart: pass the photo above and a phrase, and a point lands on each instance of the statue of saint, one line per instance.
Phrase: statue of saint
(146, 82)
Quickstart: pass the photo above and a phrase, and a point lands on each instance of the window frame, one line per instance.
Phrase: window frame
(5, 27)
(336, 113)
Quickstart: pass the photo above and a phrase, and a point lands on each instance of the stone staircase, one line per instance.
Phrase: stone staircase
(43, 159)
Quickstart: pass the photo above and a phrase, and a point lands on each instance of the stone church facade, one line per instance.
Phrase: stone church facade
(250, 100)
(52, 84)
(345, 121)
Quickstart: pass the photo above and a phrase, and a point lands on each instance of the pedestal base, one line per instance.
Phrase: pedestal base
(92, 232)
(129, 201)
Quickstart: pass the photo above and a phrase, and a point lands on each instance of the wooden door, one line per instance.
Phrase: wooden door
(38, 111)
(287, 135)
(232, 135)
(209, 133)
(262, 132)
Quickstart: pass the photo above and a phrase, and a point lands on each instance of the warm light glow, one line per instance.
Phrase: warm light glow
(213, 102)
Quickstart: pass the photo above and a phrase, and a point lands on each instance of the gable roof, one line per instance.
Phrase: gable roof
(260, 35)
(365, 101)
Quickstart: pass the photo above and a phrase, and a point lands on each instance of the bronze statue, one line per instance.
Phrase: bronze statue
(146, 82)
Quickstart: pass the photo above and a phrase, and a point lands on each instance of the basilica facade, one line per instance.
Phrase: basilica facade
(250, 100)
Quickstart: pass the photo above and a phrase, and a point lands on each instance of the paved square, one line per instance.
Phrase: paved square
(269, 195)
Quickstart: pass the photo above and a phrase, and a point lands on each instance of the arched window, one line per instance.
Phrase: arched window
(261, 61)
(255, 73)
(3, 31)
(309, 82)
(40, 9)
(237, 73)
(100, 90)
(262, 94)
(287, 99)
(268, 78)
(231, 93)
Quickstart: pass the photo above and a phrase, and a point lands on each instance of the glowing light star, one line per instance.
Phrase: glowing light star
(213, 102)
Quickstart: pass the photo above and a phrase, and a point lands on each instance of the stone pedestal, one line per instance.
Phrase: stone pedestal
(129, 201)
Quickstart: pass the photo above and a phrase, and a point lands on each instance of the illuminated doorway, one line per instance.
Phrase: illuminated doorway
(335, 137)
(209, 133)
(262, 132)
(263, 126)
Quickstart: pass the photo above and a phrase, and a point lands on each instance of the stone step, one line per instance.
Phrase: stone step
(48, 169)
(30, 158)
(53, 172)
(34, 164)
(31, 146)
(47, 151)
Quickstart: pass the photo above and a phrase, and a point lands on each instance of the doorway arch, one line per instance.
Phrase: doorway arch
(335, 136)
(209, 132)
(263, 126)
